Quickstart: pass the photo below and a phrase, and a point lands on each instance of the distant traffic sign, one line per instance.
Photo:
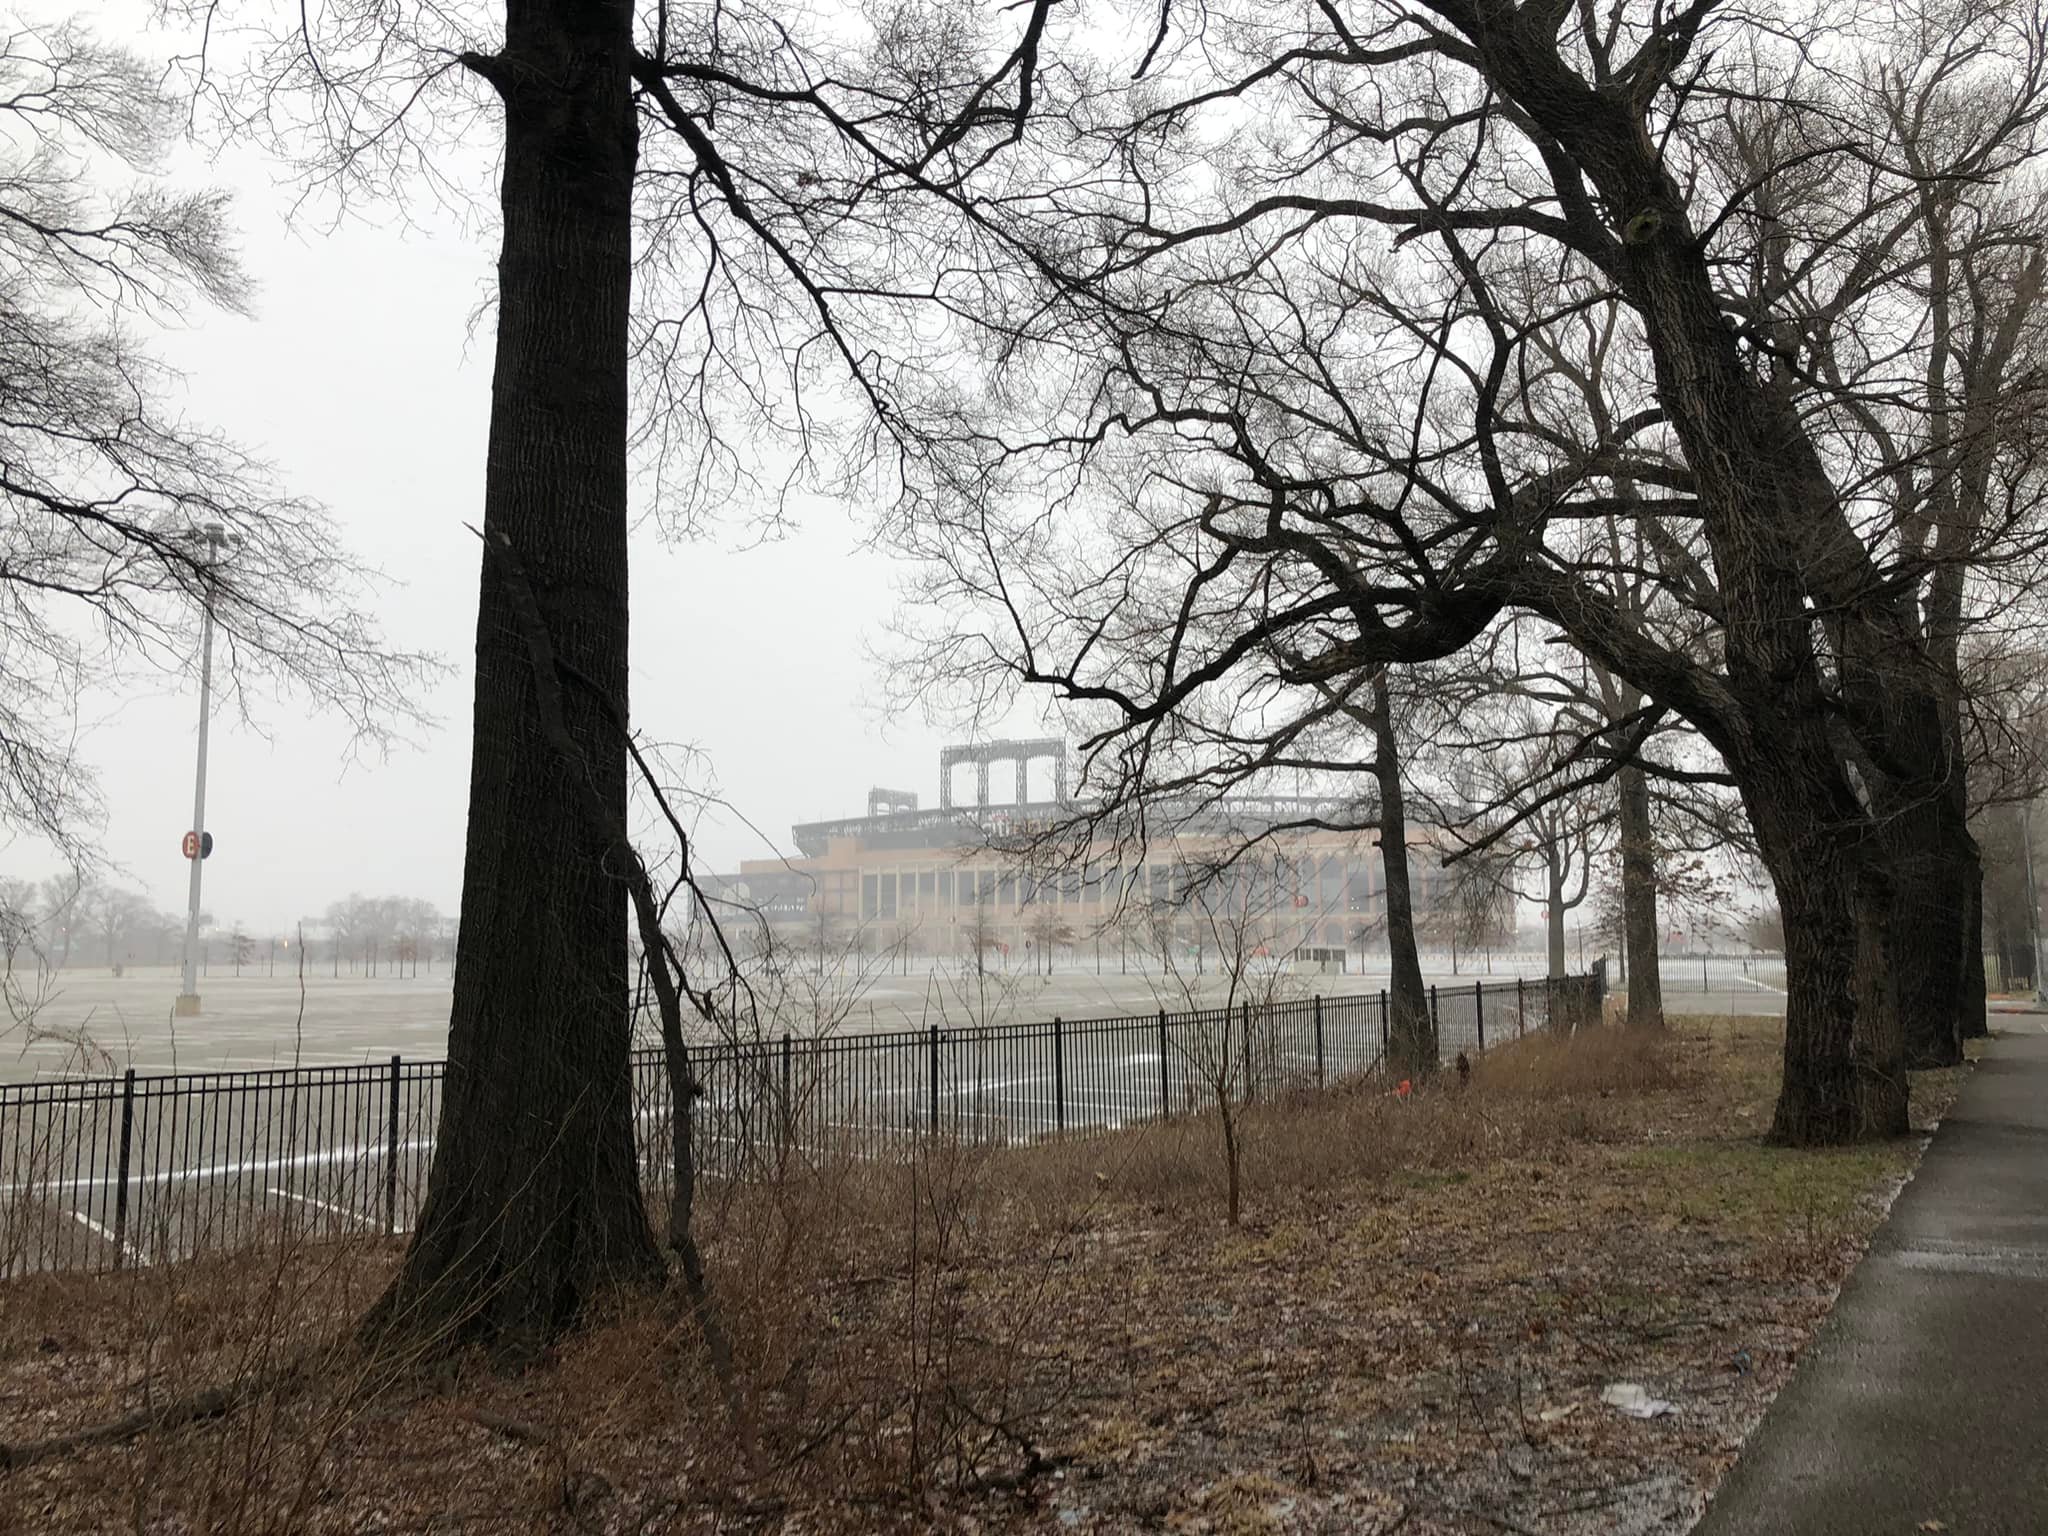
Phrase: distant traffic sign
(190, 846)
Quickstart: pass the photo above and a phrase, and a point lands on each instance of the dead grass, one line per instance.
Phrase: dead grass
(1410, 1330)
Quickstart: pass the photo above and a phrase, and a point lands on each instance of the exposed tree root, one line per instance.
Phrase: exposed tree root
(213, 1403)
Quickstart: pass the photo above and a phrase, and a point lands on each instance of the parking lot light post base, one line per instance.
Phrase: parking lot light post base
(188, 1005)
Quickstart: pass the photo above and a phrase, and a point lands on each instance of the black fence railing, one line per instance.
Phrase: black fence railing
(146, 1168)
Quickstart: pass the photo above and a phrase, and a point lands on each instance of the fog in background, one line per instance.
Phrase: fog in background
(365, 376)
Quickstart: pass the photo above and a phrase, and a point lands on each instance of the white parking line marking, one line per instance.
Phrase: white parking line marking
(126, 1247)
(365, 1152)
(339, 1210)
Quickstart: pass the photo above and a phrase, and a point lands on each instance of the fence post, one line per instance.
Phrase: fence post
(1059, 1077)
(935, 1079)
(1521, 1010)
(1386, 1024)
(1165, 1100)
(1319, 1040)
(788, 1109)
(1479, 1010)
(1245, 1013)
(1549, 1002)
(121, 1189)
(1436, 1039)
(391, 1156)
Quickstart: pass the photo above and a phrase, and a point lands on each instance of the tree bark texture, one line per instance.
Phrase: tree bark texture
(1639, 900)
(534, 1204)
(1880, 1039)
(1411, 1036)
(1844, 1064)
(1930, 857)
(1554, 875)
(1975, 1002)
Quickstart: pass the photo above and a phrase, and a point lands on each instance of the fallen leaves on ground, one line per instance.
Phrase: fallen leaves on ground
(1421, 1350)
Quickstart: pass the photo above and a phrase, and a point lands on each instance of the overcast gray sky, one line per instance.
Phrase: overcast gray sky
(360, 378)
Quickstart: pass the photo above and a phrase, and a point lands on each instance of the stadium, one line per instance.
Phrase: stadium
(957, 879)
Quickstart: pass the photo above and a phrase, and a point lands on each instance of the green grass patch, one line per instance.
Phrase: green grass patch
(1423, 1178)
(1751, 1188)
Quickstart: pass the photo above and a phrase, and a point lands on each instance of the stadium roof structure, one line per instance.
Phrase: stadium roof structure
(895, 820)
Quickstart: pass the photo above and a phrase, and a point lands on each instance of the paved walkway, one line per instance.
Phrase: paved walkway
(1925, 1396)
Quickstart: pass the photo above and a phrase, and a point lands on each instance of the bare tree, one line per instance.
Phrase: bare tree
(1479, 905)
(2013, 857)
(420, 921)
(346, 925)
(795, 192)
(114, 916)
(1412, 1048)
(794, 991)
(1048, 929)
(2002, 731)
(1315, 427)
(60, 917)
(980, 933)
(1549, 838)
(973, 992)
(1217, 1040)
(17, 918)
(103, 481)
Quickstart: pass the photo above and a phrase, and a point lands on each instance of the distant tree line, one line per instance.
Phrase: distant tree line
(78, 921)
(381, 935)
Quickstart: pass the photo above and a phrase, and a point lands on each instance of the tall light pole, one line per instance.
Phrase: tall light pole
(215, 538)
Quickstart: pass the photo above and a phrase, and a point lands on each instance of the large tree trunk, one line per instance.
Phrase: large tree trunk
(1553, 911)
(1411, 1035)
(1930, 911)
(1787, 553)
(1844, 1072)
(1783, 544)
(1880, 1042)
(1817, 1098)
(1975, 1019)
(1639, 901)
(1972, 1020)
(534, 1203)
(1931, 860)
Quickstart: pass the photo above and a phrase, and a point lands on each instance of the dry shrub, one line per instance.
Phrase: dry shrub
(1522, 1099)
(259, 1340)
(886, 1316)
(1606, 1059)
(1527, 1098)
(892, 1323)
(203, 1317)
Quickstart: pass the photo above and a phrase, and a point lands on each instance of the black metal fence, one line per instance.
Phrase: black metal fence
(146, 1168)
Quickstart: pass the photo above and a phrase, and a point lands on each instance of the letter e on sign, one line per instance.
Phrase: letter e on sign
(191, 845)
